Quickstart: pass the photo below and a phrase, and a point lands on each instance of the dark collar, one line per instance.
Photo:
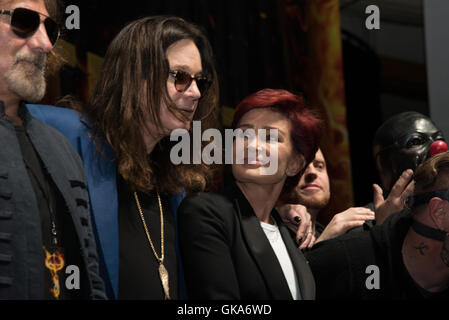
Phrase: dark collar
(23, 112)
(233, 193)
(263, 253)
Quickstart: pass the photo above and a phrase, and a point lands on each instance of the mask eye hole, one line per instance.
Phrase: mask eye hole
(413, 142)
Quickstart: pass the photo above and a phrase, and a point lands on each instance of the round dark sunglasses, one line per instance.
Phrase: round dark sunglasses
(183, 80)
(25, 22)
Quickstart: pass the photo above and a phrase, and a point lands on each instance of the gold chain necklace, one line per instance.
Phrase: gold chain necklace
(163, 273)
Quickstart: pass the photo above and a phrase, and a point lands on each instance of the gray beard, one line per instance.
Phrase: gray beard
(26, 77)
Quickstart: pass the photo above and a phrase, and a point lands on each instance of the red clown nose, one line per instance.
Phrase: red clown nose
(438, 147)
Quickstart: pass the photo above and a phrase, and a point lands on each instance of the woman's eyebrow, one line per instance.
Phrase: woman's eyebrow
(280, 131)
(245, 125)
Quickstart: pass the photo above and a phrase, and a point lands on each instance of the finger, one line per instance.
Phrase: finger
(363, 210)
(312, 242)
(285, 212)
(368, 217)
(401, 183)
(341, 219)
(304, 226)
(299, 237)
(378, 197)
(355, 211)
(400, 205)
(409, 190)
(353, 224)
(292, 227)
(363, 218)
(365, 213)
(291, 214)
(306, 241)
(309, 238)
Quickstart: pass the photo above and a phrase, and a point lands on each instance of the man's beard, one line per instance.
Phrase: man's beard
(316, 203)
(26, 76)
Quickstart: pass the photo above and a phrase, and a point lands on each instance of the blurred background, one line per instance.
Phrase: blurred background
(353, 77)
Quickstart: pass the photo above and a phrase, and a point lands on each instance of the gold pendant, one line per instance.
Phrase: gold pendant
(163, 274)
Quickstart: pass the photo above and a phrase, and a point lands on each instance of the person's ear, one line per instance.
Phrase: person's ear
(438, 209)
(295, 165)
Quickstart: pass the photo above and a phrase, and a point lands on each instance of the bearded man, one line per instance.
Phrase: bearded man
(47, 248)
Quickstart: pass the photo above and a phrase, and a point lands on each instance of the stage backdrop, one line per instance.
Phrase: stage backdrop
(314, 36)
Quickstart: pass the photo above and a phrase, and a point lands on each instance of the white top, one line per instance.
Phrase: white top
(274, 237)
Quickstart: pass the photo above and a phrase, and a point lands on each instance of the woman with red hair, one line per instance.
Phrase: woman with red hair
(234, 244)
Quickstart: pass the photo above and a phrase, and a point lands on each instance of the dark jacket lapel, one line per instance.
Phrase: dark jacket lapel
(306, 280)
(259, 246)
(100, 175)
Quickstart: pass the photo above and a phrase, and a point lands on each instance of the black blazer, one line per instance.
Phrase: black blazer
(226, 254)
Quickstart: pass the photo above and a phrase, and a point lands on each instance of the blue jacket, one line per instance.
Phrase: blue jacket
(101, 175)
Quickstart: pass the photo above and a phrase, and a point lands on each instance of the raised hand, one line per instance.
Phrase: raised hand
(395, 201)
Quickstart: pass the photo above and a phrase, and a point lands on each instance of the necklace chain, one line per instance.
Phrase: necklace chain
(163, 273)
(161, 258)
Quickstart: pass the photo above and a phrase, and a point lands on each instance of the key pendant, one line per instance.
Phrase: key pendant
(163, 274)
(54, 261)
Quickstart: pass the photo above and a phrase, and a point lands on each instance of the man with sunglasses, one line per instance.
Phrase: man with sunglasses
(47, 250)
(404, 258)
(160, 81)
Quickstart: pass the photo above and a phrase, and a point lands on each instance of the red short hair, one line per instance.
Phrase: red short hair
(305, 132)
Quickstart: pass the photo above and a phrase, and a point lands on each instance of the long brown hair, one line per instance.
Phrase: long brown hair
(428, 175)
(134, 74)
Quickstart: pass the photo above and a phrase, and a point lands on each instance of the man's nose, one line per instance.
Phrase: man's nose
(40, 41)
(310, 175)
(193, 90)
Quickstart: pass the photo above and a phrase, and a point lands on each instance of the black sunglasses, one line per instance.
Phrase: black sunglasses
(25, 22)
(183, 80)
